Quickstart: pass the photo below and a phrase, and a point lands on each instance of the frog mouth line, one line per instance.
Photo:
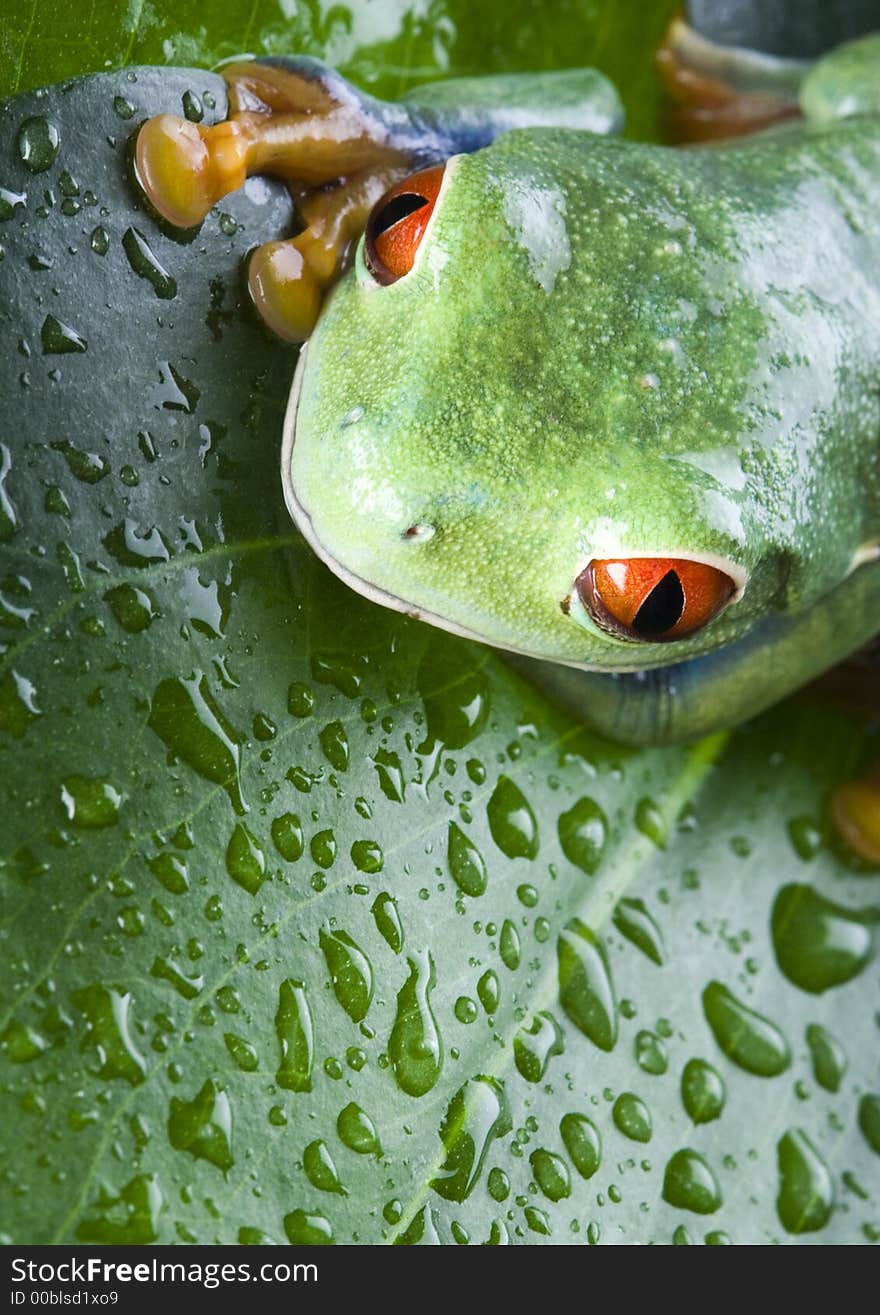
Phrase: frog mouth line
(375, 593)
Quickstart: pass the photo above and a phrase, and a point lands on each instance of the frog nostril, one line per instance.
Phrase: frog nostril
(653, 599)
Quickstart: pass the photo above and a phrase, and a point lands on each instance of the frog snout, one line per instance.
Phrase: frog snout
(654, 600)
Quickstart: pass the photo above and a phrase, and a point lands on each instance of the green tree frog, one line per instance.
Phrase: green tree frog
(611, 407)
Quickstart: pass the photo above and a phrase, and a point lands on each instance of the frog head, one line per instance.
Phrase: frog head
(528, 414)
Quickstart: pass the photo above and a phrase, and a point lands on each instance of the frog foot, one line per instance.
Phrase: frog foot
(855, 807)
(337, 150)
(714, 92)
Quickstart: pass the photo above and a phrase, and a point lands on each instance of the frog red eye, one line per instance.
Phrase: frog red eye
(653, 599)
(397, 224)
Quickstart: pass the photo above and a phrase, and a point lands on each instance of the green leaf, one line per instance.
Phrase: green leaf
(320, 925)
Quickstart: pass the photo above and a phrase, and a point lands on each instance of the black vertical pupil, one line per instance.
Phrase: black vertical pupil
(662, 608)
(397, 208)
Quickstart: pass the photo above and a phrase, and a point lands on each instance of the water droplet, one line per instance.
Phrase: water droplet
(466, 864)
(350, 972)
(334, 742)
(689, 1183)
(651, 1054)
(508, 946)
(489, 991)
(168, 971)
(357, 1131)
(322, 848)
(828, 1057)
(59, 339)
(367, 856)
(586, 991)
(581, 1139)
(147, 265)
(21, 1043)
(583, 834)
(171, 872)
(242, 1052)
(454, 692)
(9, 202)
(537, 1221)
(819, 944)
(88, 467)
(38, 143)
(534, 1046)
(477, 1114)
(99, 241)
(415, 1045)
(305, 1229)
(18, 703)
(702, 1091)
(287, 836)
(651, 822)
(387, 920)
(245, 860)
(192, 107)
(320, 1169)
(511, 820)
(8, 515)
(129, 1219)
(108, 1031)
(390, 773)
(300, 700)
(191, 726)
(131, 548)
(498, 1184)
(465, 1009)
(293, 1026)
(632, 1117)
(421, 1232)
(134, 609)
(806, 837)
(632, 920)
(746, 1037)
(869, 1120)
(90, 804)
(203, 1126)
(806, 1190)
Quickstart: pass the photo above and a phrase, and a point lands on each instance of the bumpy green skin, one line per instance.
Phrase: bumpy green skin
(609, 349)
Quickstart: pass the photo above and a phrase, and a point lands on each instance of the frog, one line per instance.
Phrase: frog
(612, 408)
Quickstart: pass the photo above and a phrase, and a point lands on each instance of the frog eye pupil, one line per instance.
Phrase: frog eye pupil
(397, 225)
(662, 609)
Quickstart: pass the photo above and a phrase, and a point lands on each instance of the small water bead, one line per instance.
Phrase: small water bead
(466, 864)
(322, 848)
(334, 743)
(650, 1053)
(583, 1143)
(651, 822)
(300, 699)
(295, 1032)
(277, 1117)
(681, 1237)
(355, 1058)
(551, 1175)
(746, 1037)
(633, 920)
(477, 1115)
(320, 1168)
(387, 920)
(512, 822)
(828, 1057)
(415, 1045)
(498, 1184)
(632, 1117)
(819, 944)
(60, 339)
(489, 991)
(351, 973)
(465, 1009)
(123, 108)
(527, 896)
(534, 1046)
(806, 836)
(203, 1126)
(689, 1183)
(586, 991)
(287, 836)
(357, 1130)
(537, 1220)
(583, 834)
(245, 860)
(189, 722)
(717, 1239)
(367, 856)
(509, 945)
(242, 1052)
(806, 1189)
(702, 1091)
(542, 930)
(38, 143)
(869, 1120)
(171, 872)
(333, 1068)
(90, 804)
(305, 1229)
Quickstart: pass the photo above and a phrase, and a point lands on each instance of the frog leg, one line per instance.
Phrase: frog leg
(339, 150)
(716, 91)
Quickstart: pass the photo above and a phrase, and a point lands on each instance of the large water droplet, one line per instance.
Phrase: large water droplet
(130, 547)
(477, 1114)
(421, 1232)
(869, 1120)
(828, 1057)
(245, 860)
(534, 1046)
(242, 1052)
(551, 1174)
(334, 742)
(632, 920)
(129, 1219)
(489, 991)
(320, 1169)
(806, 1190)
(187, 719)
(745, 1036)
(87, 467)
(689, 1183)
(583, 834)
(90, 804)
(651, 1053)
(351, 974)
(819, 944)
(108, 1032)
(38, 143)
(60, 339)
(455, 694)
(508, 946)
(387, 919)
(293, 1026)
(203, 1126)
(466, 863)
(632, 1117)
(586, 991)
(357, 1131)
(511, 820)
(134, 609)
(702, 1091)
(287, 836)
(304, 1229)
(581, 1139)
(389, 770)
(147, 265)
(415, 1045)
